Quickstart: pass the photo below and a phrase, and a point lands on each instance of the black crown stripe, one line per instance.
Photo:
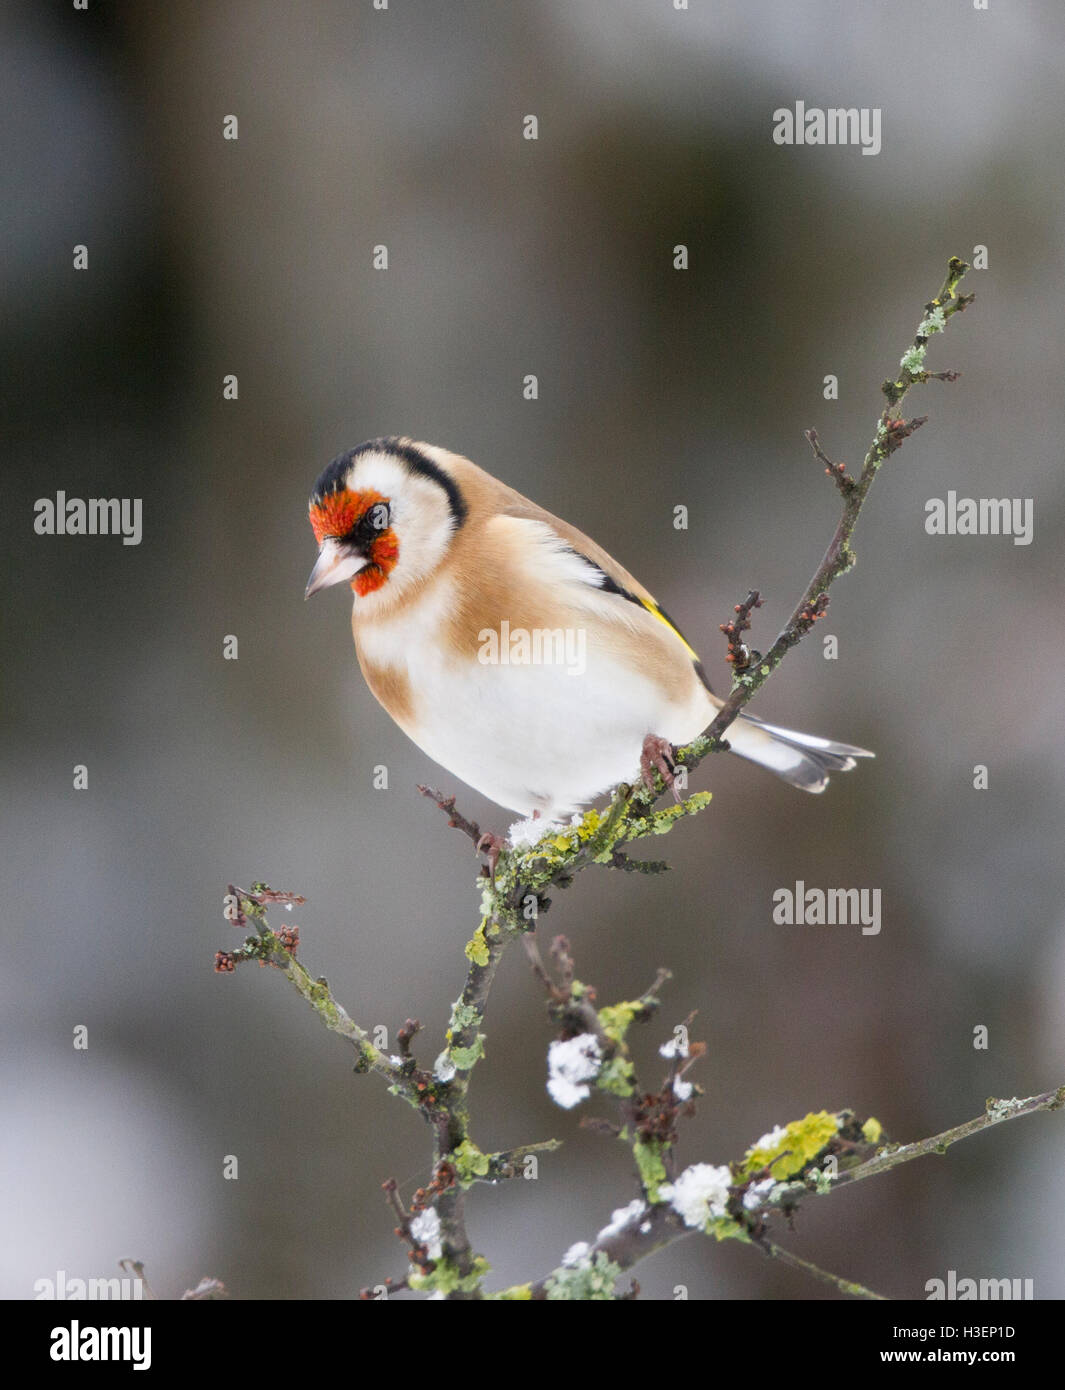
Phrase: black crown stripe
(332, 477)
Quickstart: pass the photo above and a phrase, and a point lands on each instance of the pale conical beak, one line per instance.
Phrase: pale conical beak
(334, 564)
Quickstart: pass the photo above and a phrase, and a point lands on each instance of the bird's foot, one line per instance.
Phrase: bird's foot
(658, 756)
(491, 846)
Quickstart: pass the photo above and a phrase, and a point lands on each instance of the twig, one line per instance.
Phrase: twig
(507, 1163)
(739, 654)
(661, 1226)
(836, 471)
(406, 1036)
(456, 819)
(996, 1113)
(278, 949)
(846, 1286)
(891, 431)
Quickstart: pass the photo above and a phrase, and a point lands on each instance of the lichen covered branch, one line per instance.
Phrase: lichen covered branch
(814, 1156)
(591, 1049)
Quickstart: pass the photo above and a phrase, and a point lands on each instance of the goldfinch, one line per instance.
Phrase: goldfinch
(510, 647)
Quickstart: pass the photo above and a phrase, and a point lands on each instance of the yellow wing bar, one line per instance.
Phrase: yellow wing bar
(666, 621)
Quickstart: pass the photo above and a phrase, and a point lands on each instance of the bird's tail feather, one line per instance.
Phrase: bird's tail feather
(804, 760)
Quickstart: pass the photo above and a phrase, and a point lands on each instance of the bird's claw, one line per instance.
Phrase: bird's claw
(658, 756)
(491, 846)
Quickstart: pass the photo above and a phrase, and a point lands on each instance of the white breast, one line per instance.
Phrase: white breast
(546, 734)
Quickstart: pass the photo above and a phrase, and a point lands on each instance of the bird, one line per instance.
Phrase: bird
(509, 646)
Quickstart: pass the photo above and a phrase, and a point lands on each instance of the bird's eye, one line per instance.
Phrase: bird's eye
(380, 516)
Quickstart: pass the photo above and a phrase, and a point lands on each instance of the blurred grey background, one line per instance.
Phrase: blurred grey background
(657, 388)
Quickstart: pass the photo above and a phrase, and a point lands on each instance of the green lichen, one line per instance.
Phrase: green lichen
(516, 1293)
(477, 946)
(661, 822)
(802, 1141)
(872, 1131)
(591, 1281)
(912, 359)
(594, 838)
(617, 1077)
(935, 322)
(463, 1016)
(556, 846)
(465, 1058)
(586, 829)
(445, 1277)
(822, 1179)
(616, 1019)
(470, 1163)
(648, 1156)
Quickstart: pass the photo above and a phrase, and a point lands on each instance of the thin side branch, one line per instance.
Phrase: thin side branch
(845, 1286)
(997, 1112)
(645, 1234)
(891, 431)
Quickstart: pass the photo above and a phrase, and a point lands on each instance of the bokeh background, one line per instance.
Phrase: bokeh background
(657, 388)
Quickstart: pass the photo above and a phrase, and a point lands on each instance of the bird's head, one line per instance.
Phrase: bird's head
(383, 516)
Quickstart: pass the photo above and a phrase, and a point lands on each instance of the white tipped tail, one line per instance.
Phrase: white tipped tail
(804, 760)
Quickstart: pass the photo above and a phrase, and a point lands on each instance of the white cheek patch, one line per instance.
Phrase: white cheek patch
(420, 515)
